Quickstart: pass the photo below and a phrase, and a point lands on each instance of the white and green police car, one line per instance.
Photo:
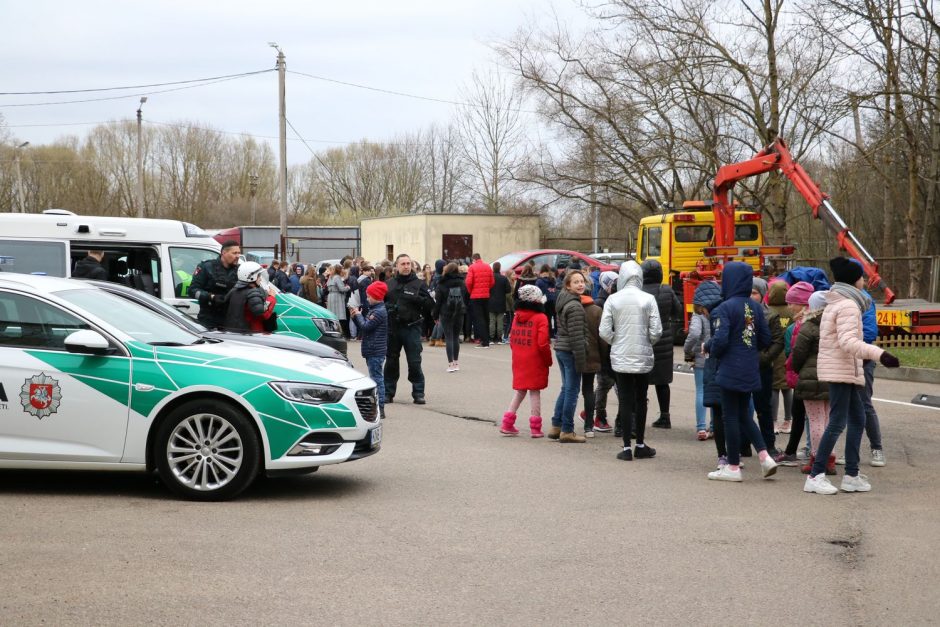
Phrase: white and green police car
(91, 381)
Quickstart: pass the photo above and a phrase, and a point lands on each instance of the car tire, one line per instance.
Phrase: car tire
(207, 450)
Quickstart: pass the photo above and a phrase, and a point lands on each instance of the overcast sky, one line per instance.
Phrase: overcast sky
(423, 47)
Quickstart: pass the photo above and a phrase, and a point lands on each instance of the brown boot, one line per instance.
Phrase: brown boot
(553, 433)
(571, 438)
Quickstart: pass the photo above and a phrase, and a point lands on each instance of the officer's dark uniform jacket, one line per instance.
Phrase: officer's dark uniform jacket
(408, 301)
(210, 286)
(244, 297)
(89, 268)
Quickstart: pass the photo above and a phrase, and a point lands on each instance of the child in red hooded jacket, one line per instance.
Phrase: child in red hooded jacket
(531, 359)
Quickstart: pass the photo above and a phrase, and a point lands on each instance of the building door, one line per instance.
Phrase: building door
(456, 246)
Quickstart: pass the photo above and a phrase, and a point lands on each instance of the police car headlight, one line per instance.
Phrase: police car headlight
(312, 393)
(327, 326)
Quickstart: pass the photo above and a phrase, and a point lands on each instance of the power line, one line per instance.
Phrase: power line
(400, 93)
(135, 95)
(85, 91)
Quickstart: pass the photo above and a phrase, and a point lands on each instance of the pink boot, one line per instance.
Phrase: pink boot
(508, 428)
(535, 426)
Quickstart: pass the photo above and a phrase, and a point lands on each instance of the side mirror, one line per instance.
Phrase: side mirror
(86, 342)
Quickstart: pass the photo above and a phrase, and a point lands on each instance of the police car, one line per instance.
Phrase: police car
(89, 380)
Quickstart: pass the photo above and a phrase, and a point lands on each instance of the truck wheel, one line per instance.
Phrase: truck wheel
(207, 451)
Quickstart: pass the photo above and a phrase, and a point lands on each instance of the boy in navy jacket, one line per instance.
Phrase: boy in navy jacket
(374, 332)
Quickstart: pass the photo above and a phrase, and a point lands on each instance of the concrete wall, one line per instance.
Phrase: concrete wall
(421, 235)
(329, 242)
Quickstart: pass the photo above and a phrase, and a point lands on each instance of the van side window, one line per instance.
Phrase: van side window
(32, 257)
(653, 243)
(183, 262)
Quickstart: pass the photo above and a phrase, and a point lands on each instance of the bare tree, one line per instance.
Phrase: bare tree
(490, 130)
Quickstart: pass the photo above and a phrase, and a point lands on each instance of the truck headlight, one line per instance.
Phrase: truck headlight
(311, 393)
(328, 326)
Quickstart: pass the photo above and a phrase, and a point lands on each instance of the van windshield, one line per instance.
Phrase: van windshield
(136, 321)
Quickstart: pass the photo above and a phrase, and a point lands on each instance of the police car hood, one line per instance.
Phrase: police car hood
(278, 364)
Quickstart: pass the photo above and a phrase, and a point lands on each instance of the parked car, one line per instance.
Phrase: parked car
(613, 258)
(263, 257)
(553, 257)
(158, 306)
(98, 382)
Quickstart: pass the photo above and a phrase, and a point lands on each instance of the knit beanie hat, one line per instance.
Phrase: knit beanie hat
(761, 286)
(531, 294)
(377, 290)
(608, 279)
(799, 294)
(818, 300)
(845, 270)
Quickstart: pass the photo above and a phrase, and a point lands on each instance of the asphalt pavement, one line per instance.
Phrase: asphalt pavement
(453, 524)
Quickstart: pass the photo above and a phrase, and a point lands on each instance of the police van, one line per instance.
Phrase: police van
(155, 256)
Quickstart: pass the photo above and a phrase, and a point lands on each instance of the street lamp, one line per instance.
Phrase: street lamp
(140, 161)
(19, 176)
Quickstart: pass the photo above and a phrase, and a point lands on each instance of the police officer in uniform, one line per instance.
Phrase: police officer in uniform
(408, 302)
(212, 281)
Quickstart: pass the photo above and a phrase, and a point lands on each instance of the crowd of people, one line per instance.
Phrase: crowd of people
(794, 342)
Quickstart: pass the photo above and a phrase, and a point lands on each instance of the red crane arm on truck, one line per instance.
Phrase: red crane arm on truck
(776, 156)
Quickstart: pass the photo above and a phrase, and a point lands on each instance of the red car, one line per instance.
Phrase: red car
(553, 257)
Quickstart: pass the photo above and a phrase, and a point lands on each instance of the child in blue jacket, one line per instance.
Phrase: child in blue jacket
(741, 332)
(374, 332)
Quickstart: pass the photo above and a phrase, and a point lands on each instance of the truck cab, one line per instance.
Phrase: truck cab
(678, 240)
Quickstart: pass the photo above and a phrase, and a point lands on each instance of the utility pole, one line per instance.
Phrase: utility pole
(252, 191)
(140, 161)
(19, 176)
(282, 132)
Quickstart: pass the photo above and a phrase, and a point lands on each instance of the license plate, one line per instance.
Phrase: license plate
(376, 436)
(893, 318)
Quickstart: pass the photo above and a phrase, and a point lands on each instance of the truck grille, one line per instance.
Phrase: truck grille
(368, 403)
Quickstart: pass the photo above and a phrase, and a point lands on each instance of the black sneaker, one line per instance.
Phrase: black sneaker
(626, 455)
(618, 429)
(419, 400)
(644, 452)
(389, 399)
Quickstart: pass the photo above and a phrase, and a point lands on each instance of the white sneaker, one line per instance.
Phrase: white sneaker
(724, 473)
(451, 367)
(456, 366)
(819, 484)
(840, 461)
(803, 454)
(877, 457)
(855, 484)
(589, 434)
(769, 467)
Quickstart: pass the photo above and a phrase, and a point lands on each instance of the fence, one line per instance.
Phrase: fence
(909, 341)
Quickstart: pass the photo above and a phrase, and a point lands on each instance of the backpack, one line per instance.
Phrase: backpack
(454, 305)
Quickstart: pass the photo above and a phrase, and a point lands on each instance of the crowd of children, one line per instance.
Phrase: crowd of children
(797, 343)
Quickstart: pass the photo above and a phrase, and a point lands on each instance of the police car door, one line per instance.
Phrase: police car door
(56, 406)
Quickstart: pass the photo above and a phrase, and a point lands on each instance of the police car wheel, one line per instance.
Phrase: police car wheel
(207, 451)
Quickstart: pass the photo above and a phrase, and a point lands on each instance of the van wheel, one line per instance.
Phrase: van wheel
(207, 451)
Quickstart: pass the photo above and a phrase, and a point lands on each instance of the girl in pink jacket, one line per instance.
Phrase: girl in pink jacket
(841, 351)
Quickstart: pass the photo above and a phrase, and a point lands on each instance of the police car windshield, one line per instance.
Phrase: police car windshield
(135, 320)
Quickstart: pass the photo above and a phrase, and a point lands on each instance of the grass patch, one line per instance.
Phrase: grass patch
(918, 357)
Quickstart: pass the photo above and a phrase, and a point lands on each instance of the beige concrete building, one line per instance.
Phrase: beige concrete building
(430, 236)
